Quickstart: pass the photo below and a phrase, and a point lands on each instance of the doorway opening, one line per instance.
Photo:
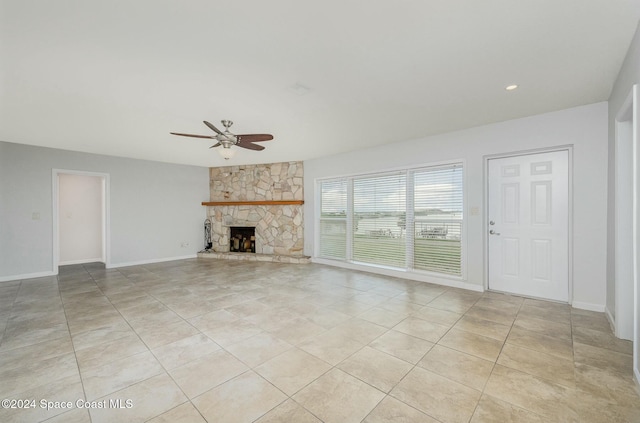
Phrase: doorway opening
(81, 216)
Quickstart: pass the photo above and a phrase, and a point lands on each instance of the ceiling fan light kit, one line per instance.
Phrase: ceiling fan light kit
(227, 153)
(227, 140)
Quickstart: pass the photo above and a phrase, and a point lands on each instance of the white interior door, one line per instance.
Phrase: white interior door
(528, 206)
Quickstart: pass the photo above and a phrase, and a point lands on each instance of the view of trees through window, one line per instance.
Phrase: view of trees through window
(410, 219)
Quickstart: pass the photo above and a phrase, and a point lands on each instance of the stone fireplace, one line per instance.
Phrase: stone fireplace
(266, 198)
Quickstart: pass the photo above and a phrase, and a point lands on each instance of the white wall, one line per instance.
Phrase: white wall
(628, 76)
(154, 207)
(80, 218)
(585, 128)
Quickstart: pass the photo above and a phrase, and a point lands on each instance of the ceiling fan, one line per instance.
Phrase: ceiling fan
(226, 139)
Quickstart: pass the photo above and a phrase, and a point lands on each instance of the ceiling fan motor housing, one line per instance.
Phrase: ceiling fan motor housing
(228, 141)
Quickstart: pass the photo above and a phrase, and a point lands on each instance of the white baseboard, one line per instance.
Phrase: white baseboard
(27, 276)
(108, 266)
(84, 261)
(612, 321)
(141, 262)
(588, 306)
(400, 274)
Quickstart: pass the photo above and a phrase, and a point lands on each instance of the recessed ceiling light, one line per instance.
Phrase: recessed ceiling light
(511, 87)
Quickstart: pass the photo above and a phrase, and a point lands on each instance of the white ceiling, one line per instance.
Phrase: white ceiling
(115, 77)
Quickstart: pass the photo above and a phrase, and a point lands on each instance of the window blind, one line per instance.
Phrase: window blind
(379, 210)
(333, 219)
(438, 219)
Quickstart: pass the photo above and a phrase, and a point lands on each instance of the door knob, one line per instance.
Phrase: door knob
(492, 232)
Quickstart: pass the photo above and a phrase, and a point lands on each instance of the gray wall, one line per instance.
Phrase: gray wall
(154, 207)
(628, 76)
(585, 128)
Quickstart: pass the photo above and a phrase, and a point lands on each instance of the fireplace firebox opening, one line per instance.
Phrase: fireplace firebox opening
(242, 239)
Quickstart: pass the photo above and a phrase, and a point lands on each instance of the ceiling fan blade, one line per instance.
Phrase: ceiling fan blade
(216, 145)
(250, 146)
(213, 128)
(192, 135)
(254, 137)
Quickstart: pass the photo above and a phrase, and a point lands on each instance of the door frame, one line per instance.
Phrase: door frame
(106, 220)
(630, 112)
(625, 146)
(485, 212)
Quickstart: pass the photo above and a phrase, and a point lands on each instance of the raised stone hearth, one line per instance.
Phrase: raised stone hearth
(255, 257)
(278, 228)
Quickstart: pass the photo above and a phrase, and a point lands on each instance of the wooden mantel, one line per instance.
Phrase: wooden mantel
(254, 203)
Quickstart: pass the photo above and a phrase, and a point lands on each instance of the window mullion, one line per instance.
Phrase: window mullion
(349, 251)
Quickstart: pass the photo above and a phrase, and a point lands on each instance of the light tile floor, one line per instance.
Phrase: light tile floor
(226, 341)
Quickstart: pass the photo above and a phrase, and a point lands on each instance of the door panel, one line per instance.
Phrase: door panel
(510, 203)
(541, 202)
(541, 259)
(510, 253)
(529, 225)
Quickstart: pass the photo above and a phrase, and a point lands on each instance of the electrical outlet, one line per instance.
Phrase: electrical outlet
(35, 216)
(184, 244)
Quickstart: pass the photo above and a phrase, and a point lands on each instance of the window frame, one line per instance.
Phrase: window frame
(320, 219)
(351, 201)
(409, 172)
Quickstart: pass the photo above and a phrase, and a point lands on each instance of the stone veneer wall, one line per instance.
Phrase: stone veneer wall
(279, 229)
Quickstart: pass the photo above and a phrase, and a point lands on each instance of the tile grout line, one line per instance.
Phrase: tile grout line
(388, 394)
(155, 357)
(193, 276)
(493, 366)
(425, 354)
(136, 333)
(73, 346)
(518, 370)
(13, 302)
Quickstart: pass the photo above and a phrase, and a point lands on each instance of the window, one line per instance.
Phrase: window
(378, 208)
(333, 219)
(437, 211)
(410, 219)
